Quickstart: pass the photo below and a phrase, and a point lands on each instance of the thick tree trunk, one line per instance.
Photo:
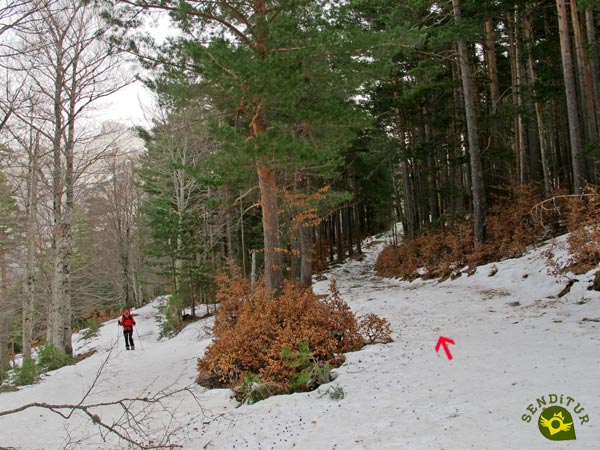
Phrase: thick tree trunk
(473, 136)
(270, 221)
(266, 175)
(571, 96)
(60, 314)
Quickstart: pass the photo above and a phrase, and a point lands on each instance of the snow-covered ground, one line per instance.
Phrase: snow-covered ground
(401, 395)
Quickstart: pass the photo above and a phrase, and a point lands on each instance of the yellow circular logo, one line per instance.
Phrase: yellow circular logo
(556, 423)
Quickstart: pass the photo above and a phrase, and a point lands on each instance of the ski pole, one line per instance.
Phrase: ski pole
(137, 333)
(118, 335)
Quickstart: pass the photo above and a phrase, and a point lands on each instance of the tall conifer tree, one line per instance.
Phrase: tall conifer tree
(284, 70)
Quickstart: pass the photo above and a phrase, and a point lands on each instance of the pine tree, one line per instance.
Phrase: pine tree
(10, 218)
(283, 70)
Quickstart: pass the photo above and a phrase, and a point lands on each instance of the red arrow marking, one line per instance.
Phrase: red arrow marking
(444, 341)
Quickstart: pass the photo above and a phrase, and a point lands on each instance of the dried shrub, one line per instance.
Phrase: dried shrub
(252, 329)
(583, 223)
(433, 254)
(579, 215)
(375, 329)
(510, 229)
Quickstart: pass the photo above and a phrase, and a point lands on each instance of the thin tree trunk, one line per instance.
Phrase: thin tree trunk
(455, 152)
(4, 316)
(230, 231)
(492, 65)
(348, 228)
(68, 211)
(306, 250)
(243, 238)
(339, 236)
(498, 141)
(520, 83)
(584, 75)
(410, 220)
(331, 238)
(594, 62)
(356, 218)
(178, 254)
(473, 136)
(571, 96)
(539, 111)
(515, 93)
(55, 316)
(253, 268)
(434, 209)
(29, 294)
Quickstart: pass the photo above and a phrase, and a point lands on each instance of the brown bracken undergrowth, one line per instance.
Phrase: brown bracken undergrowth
(522, 219)
(580, 215)
(252, 329)
(510, 230)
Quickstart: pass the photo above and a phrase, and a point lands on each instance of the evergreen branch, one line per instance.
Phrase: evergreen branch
(210, 17)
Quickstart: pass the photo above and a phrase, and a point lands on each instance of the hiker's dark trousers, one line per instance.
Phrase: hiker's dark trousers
(128, 338)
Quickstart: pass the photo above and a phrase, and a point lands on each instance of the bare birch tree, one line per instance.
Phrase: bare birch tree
(69, 67)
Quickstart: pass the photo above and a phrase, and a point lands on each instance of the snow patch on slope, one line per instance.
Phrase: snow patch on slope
(515, 341)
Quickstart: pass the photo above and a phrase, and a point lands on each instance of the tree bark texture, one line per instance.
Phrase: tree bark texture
(270, 220)
(4, 315)
(473, 135)
(539, 109)
(30, 237)
(575, 138)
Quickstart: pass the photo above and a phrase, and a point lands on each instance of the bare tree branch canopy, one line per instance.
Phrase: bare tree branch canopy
(58, 64)
(16, 13)
(133, 423)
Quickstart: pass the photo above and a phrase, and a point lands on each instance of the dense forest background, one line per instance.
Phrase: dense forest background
(289, 130)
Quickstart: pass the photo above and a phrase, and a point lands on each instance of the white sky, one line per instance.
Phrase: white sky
(135, 104)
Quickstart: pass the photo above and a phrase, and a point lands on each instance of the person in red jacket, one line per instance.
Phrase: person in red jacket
(127, 322)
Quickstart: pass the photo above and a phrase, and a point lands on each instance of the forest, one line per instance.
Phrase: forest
(287, 131)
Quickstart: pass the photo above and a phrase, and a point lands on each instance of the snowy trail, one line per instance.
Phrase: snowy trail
(398, 396)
